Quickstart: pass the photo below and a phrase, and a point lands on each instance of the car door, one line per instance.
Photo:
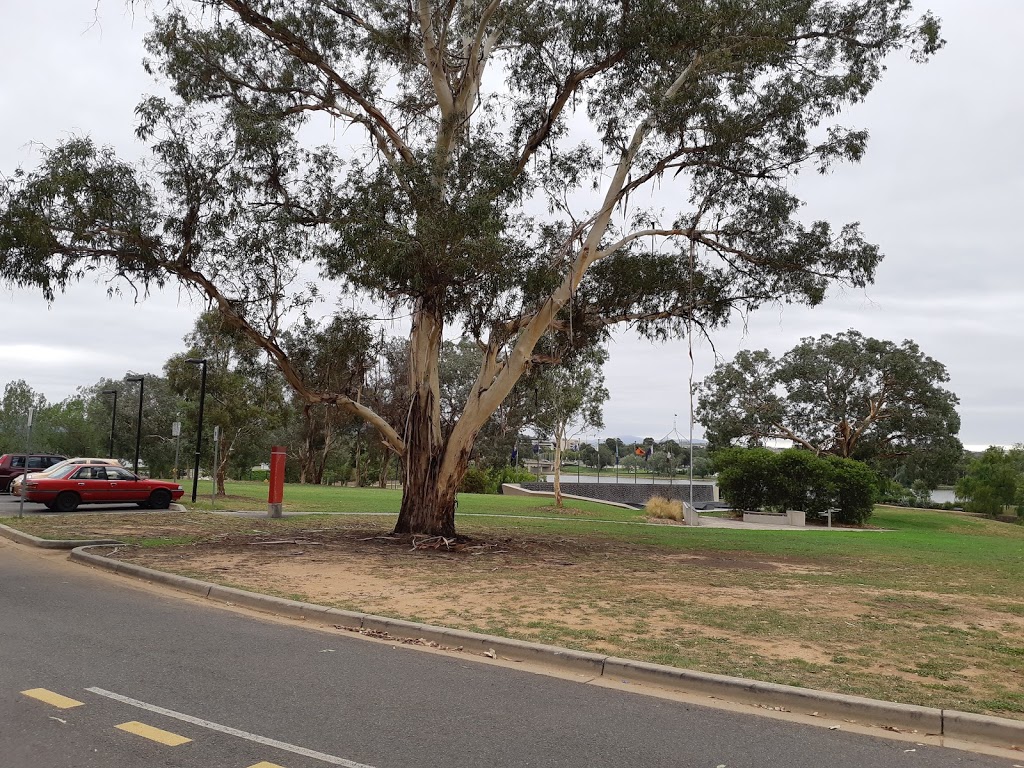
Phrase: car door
(89, 484)
(124, 486)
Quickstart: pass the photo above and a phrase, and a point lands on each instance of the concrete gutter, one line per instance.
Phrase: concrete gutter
(965, 726)
(34, 541)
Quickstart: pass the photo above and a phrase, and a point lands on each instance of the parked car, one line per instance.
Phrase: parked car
(16, 483)
(99, 484)
(14, 464)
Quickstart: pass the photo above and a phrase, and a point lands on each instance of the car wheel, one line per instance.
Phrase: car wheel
(66, 502)
(160, 499)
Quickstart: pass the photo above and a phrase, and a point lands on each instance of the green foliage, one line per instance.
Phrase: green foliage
(80, 425)
(244, 397)
(748, 478)
(993, 481)
(756, 478)
(17, 399)
(851, 488)
(569, 397)
(478, 480)
(459, 127)
(507, 474)
(475, 481)
(846, 395)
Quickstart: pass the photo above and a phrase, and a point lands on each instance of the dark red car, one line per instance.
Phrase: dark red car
(13, 464)
(95, 484)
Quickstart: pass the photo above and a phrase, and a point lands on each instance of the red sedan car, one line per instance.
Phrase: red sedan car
(75, 485)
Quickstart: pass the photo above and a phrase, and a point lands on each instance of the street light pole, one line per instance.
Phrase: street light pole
(138, 424)
(199, 431)
(113, 419)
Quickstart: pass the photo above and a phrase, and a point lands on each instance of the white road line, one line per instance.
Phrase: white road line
(230, 731)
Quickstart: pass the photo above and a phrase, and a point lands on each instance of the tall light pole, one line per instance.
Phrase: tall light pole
(199, 432)
(113, 418)
(138, 424)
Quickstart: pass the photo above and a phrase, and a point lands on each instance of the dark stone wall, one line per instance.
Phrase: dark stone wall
(630, 493)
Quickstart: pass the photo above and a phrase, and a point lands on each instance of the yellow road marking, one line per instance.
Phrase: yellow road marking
(54, 699)
(266, 765)
(153, 734)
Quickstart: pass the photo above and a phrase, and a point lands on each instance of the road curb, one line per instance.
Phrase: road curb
(968, 726)
(34, 541)
(805, 700)
(965, 726)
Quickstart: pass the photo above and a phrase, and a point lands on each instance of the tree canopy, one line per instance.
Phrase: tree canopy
(994, 481)
(509, 171)
(847, 395)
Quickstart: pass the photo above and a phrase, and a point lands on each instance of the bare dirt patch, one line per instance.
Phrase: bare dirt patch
(773, 618)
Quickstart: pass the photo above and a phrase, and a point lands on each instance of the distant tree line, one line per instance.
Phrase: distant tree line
(993, 483)
(248, 400)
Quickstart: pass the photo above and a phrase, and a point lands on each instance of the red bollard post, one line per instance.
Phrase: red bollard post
(275, 499)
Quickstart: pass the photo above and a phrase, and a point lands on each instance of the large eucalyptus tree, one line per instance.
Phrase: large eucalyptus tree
(512, 170)
(845, 394)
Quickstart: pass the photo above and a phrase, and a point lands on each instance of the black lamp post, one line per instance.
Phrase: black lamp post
(199, 432)
(138, 424)
(113, 418)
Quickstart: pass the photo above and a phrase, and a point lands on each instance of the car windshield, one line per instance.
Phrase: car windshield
(56, 468)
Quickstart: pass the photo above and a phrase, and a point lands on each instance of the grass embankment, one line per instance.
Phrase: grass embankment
(928, 612)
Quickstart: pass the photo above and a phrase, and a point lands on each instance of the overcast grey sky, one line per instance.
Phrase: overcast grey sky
(940, 189)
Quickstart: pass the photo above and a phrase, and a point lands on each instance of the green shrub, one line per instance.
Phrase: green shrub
(756, 478)
(747, 477)
(507, 474)
(852, 491)
(475, 481)
(804, 482)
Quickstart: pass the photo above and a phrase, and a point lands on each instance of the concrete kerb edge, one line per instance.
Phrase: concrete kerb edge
(34, 541)
(965, 726)
(795, 699)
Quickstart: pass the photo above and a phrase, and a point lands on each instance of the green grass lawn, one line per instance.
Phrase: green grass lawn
(914, 548)
(319, 499)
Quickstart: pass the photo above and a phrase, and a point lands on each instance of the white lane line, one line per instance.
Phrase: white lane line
(230, 731)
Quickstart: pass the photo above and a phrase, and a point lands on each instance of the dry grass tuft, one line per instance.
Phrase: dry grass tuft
(659, 506)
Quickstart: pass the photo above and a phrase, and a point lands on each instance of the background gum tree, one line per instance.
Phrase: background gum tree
(481, 170)
(570, 397)
(845, 394)
(244, 399)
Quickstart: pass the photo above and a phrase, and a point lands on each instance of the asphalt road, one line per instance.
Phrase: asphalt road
(248, 691)
(9, 506)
